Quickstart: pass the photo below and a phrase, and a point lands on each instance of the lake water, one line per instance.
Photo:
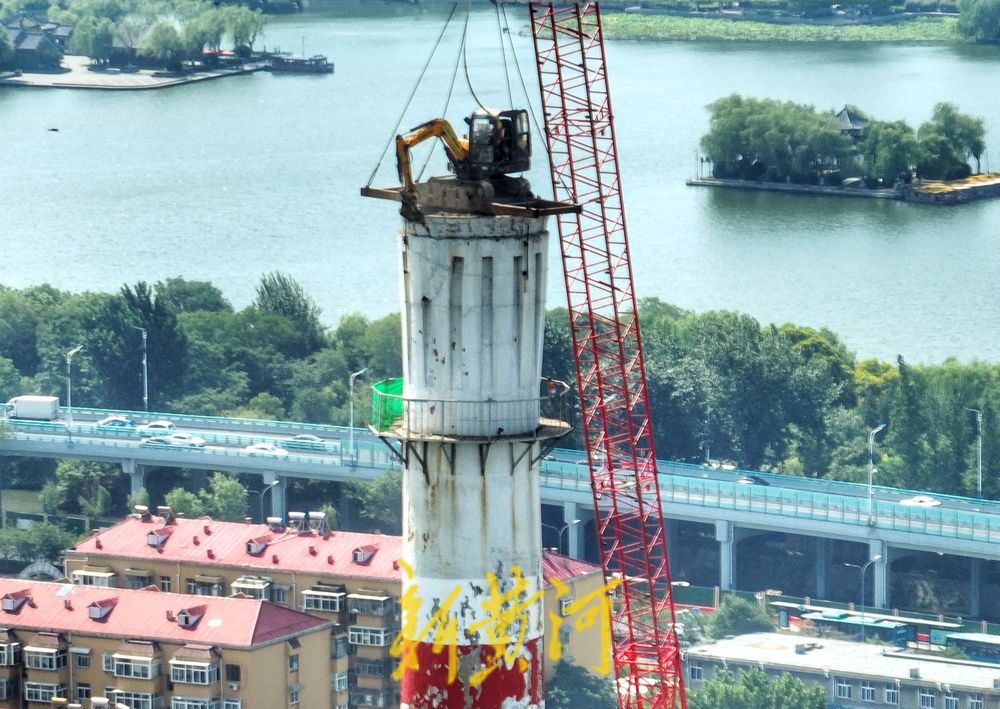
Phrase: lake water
(226, 180)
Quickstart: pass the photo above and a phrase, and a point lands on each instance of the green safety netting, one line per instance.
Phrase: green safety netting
(387, 402)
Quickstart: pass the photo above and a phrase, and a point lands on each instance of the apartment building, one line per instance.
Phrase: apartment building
(97, 646)
(854, 675)
(349, 579)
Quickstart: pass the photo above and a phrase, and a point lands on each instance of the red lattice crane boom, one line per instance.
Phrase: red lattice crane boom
(614, 404)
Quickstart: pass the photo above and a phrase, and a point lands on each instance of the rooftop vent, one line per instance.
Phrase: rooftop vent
(256, 546)
(189, 617)
(275, 524)
(99, 610)
(158, 537)
(363, 555)
(13, 601)
(142, 512)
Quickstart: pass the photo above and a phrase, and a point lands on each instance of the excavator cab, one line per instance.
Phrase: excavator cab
(499, 144)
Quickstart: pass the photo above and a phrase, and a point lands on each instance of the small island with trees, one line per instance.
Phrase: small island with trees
(783, 146)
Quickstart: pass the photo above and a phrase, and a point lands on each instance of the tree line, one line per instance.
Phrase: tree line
(782, 141)
(164, 32)
(722, 386)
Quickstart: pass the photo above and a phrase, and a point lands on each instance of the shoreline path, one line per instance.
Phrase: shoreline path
(79, 76)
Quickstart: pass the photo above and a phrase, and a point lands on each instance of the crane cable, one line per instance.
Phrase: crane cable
(399, 121)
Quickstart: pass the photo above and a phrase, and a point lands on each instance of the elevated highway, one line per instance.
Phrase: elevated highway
(739, 504)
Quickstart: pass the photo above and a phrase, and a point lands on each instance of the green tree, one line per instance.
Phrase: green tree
(572, 687)
(737, 616)
(226, 499)
(948, 141)
(42, 541)
(183, 296)
(890, 150)
(85, 486)
(379, 502)
(163, 43)
(752, 689)
(184, 503)
(979, 20)
(244, 26)
(93, 37)
(282, 295)
(20, 319)
(6, 50)
(10, 380)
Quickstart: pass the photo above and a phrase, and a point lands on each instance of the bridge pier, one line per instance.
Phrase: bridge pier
(975, 588)
(136, 473)
(880, 572)
(725, 534)
(822, 552)
(277, 493)
(571, 511)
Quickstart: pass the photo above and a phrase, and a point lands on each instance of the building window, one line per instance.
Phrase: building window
(165, 584)
(369, 605)
(696, 671)
(44, 659)
(369, 668)
(193, 672)
(926, 699)
(10, 654)
(233, 673)
(138, 700)
(43, 691)
(950, 701)
(203, 588)
(256, 587)
(138, 667)
(83, 690)
(340, 682)
(867, 691)
(136, 582)
(194, 703)
(891, 695)
(280, 595)
(328, 601)
(843, 689)
(293, 695)
(976, 701)
(339, 647)
(232, 703)
(104, 579)
(363, 635)
(82, 660)
(369, 698)
(293, 663)
(8, 687)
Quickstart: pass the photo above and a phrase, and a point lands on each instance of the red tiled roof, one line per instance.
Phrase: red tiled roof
(232, 622)
(565, 568)
(303, 552)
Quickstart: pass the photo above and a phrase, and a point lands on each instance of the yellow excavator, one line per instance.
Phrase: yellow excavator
(498, 143)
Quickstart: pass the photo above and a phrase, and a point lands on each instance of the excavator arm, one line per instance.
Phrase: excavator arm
(457, 148)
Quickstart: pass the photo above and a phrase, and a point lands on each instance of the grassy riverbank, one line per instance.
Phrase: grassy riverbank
(692, 29)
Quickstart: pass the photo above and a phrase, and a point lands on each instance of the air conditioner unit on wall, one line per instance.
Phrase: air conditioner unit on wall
(233, 686)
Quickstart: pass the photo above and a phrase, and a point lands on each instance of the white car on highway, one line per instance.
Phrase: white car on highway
(156, 428)
(265, 449)
(175, 439)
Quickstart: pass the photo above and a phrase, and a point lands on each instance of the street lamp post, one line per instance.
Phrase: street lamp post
(69, 383)
(145, 372)
(979, 451)
(561, 530)
(864, 568)
(351, 396)
(871, 469)
(260, 494)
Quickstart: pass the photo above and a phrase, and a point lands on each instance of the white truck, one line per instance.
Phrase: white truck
(31, 406)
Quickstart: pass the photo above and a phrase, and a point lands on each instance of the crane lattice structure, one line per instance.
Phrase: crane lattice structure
(614, 404)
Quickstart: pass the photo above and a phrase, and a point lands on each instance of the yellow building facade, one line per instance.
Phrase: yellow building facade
(91, 646)
(351, 580)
